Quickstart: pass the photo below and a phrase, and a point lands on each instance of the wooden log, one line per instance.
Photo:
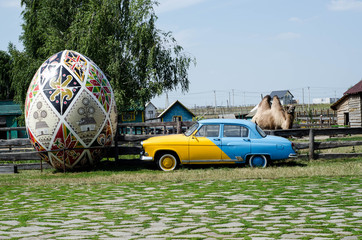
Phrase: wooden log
(33, 166)
(15, 142)
(311, 144)
(337, 155)
(9, 168)
(15, 156)
(328, 145)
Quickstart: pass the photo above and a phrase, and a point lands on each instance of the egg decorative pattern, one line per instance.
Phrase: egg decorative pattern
(70, 111)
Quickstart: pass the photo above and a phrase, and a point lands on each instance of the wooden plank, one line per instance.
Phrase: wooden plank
(15, 142)
(19, 156)
(155, 124)
(337, 155)
(33, 166)
(12, 129)
(328, 145)
(317, 132)
(9, 168)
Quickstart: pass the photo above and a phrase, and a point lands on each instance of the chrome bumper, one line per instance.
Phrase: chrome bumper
(146, 158)
(293, 155)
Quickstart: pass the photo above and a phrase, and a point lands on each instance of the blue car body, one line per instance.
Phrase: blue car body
(218, 141)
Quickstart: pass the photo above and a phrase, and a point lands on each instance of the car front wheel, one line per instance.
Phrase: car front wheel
(167, 162)
(258, 161)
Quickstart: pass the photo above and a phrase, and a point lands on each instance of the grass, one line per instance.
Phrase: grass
(111, 172)
(289, 197)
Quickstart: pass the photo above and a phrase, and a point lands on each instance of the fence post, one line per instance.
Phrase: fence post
(116, 145)
(311, 144)
(178, 126)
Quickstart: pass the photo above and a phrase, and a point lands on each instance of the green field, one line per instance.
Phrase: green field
(289, 200)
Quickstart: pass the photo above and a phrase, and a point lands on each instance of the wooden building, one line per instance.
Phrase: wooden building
(151, 113)
(9, 112)
(284, 96)
(349, 107)
(176, 111)
(132, 115)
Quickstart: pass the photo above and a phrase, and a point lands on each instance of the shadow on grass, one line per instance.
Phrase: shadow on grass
(138, 165)
(287, 163)
(125, 165)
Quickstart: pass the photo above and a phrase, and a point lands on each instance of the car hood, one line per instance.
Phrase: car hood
(168, 139)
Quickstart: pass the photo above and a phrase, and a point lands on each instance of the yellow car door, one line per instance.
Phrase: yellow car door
(205, 145)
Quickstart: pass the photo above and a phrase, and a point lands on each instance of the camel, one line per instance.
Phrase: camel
(273, 116)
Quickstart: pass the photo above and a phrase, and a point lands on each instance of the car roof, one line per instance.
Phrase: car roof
(228, 121)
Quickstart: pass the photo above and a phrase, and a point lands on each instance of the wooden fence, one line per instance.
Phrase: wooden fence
(315, 119)
(14, 150)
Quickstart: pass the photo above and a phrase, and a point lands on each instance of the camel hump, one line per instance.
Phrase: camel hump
(265, 103)
(276, 104)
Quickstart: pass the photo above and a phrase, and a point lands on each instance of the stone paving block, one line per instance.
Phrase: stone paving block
(350, 238)
(291, 236)
(201, 230)
(12, 223)
(228, 230)
(180, 229)
(31, 229)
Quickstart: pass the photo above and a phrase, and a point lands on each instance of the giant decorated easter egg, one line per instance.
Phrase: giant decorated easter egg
(70, 112)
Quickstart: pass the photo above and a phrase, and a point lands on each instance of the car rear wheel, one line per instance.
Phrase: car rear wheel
(167, 162)
(258, 161)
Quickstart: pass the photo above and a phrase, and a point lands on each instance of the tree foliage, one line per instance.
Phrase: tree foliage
(6, 92)
(120, 36)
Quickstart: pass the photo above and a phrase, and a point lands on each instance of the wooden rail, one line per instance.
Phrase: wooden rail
(21, 149)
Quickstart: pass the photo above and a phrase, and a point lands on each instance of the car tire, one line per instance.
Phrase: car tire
(167, 162)
(258, 161)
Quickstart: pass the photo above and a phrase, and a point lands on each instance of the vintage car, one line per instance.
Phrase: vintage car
(217, 141)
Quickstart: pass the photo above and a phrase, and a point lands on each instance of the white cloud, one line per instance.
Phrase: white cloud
(10, 4)
(171, 5)
(345, 5)
(296, 19)
(287, 36)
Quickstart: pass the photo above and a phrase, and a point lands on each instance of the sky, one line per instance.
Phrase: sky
(245, 49)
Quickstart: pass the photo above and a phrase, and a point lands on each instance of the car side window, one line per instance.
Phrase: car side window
(208, 131)
(235, 131)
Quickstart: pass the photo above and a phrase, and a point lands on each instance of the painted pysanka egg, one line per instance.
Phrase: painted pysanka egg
(70, 111)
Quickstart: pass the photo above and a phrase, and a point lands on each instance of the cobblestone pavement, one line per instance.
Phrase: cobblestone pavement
(317, 208)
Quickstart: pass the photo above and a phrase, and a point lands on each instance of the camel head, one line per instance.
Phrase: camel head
(291, 109)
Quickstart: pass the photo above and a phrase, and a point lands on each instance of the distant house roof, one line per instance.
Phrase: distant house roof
(169, 107)
(353, 90)
(149, 103)
(280, 93)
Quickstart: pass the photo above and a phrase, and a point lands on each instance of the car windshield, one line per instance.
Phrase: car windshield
(260, 131)
(191, 129)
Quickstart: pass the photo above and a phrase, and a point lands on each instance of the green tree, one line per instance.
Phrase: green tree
(5, 88)
(120, 36)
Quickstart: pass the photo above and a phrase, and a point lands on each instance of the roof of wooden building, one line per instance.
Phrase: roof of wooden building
(174, 103)
(9, 108)
(353, 90)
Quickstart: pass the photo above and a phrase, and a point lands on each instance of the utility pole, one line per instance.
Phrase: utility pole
(309, 99)
(233, 99)
(166, 103)
(303, 97)
(229, 103)
(215, 101)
